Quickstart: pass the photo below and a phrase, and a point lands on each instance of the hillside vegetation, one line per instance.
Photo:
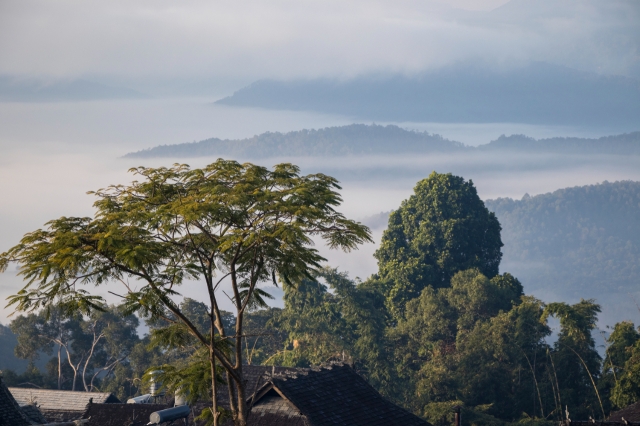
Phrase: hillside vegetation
(361, 139)
(357, 139)
(580, 242)
(625, 144)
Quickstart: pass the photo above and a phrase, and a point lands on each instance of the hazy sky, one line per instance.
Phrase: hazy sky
(246, 40)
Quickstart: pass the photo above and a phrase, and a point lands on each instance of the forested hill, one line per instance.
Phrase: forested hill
(574, 242)
(361, 139)
(625, 144)
(331, 141)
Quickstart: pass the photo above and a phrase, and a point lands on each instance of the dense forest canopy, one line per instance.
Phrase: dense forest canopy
(578, 242)
(442, 323)
(361, 140)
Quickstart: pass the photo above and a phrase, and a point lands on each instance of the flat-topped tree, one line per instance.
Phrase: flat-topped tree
(239, 223)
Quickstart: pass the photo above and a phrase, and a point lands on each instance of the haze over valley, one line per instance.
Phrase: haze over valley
(536, 102)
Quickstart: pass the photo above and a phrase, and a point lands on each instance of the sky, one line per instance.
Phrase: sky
(151, 44)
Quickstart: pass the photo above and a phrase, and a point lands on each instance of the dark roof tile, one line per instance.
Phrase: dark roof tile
(10, 413)
(631, 413)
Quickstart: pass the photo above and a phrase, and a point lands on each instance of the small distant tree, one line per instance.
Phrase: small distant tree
(239, 223)
(89, 345)
(41, 333)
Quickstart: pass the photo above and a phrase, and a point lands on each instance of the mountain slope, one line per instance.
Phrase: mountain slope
(575, 242)
(625, 144)
(356, 139)
(360, 139)
(539, 93)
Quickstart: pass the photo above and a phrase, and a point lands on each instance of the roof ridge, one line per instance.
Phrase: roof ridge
(60, 390)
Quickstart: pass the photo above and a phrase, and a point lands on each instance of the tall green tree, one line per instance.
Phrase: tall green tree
(619, 349)
(335, 318)
(443, 228)
(471, 343)
(199, 227)
(576, 358)
(621, 365)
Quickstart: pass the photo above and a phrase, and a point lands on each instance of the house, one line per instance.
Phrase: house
(630, 413)
(330, 395)
(10, 412)
(60, 405)
(628, 416)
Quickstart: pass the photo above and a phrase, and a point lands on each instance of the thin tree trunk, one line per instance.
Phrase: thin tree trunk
(557, 382)
(242, 408)
(86, 364)
(595, 388)
(214, 389)
(535, 381)
(232, 398)
(59, 367)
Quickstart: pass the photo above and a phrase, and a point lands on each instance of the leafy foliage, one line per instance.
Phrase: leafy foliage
(437, 327)
(88, 349)
(240, 222)
(442, 229)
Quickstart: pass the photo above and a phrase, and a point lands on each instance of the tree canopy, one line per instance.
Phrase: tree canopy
(441, 229)
(180, 226)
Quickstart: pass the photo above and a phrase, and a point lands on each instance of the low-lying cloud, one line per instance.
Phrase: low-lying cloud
(285, 39)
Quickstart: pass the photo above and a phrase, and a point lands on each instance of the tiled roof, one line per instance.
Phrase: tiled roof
(631, 413)
(255, 376)
(333, 395)
(48, 399)
(60, 405)
(272, 407)
(34, 414)
(10, 413)
(337, 395)
(270, 419)
(120, 414)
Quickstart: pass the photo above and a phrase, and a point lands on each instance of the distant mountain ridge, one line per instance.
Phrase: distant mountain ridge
(354, 139)
(361, 139)
(539, 93)
(624, 144)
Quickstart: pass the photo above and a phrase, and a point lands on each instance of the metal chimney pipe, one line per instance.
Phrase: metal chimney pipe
(457, 420)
